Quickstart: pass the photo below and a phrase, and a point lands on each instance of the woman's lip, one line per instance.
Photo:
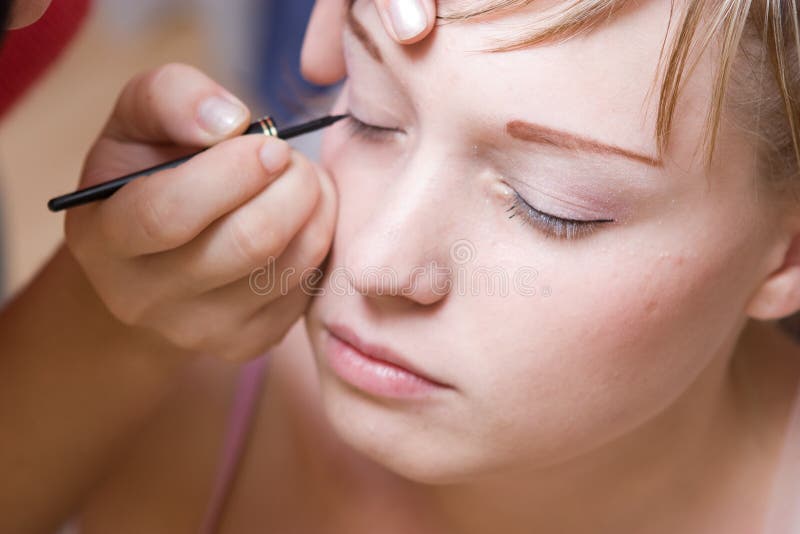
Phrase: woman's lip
(377, 352)
(390, 366)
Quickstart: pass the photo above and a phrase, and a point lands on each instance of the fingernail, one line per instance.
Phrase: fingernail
(408, 18)
(220, 116)
(274, 155)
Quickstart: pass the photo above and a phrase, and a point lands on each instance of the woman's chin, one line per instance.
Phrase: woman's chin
(399, 440)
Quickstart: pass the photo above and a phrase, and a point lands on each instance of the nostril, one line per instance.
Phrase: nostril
(422, 284)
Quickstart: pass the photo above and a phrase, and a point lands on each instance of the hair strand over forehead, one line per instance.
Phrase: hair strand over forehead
(717, 24)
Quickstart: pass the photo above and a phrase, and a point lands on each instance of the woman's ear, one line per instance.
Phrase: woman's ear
(779, 293)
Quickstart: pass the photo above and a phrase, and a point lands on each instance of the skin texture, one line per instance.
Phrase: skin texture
(26, 12)
(632, 375)
(639, 396)
(113, 276)
(630, 355)
(152, 273)
(183, 270)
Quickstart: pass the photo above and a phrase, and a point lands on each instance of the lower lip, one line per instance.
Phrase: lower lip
(375, 376)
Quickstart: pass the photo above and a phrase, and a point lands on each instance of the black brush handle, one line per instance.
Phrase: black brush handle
(104, 190)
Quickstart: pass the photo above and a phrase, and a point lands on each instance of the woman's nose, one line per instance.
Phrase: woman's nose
(401, 249)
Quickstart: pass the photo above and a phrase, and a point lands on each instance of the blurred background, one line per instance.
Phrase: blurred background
(251, 46)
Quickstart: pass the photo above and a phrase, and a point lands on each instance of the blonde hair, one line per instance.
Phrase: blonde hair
(765, 33)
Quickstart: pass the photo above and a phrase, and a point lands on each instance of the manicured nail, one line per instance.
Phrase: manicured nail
(408, 18)
(274, 155)
(220, 116)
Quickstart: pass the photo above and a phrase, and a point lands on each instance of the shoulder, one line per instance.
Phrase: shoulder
(164, 482)
(165, 479)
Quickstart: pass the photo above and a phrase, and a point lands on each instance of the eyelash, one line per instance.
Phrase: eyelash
(551, 225)
(369, 132)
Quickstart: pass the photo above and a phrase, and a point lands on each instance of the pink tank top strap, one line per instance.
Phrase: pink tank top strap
(240, 422)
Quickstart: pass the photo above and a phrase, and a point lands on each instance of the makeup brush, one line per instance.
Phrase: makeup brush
(265, 126)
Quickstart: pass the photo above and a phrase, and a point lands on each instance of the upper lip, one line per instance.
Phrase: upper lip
(378, 352)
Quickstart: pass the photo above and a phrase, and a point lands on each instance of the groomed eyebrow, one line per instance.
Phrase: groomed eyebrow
(519, 129)
(536, 133)
(360, 32)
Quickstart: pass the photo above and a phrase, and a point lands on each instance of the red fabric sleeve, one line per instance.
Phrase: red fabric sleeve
(26, 53)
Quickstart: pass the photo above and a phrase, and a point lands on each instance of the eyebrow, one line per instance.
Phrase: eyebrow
(536, 133)
(360, 32)
(519, 129)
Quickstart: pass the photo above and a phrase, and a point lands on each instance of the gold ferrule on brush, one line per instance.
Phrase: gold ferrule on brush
(268, 126)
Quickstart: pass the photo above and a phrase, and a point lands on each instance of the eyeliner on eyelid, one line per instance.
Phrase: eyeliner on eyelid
(551, 225)
(369, 132)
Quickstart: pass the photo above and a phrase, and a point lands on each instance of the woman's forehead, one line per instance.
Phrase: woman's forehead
(633, 35)
(590, 84)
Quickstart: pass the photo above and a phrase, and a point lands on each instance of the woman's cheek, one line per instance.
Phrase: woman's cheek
(594, 359)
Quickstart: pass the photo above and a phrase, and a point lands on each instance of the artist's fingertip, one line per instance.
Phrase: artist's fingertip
(408, 19)
(321, 57)
(274, 155)
(221, 115)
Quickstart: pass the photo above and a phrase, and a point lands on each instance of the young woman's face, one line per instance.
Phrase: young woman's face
(554, 337)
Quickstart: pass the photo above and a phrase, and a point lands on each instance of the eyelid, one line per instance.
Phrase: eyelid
(552, 225)
(370, 132)
(527, 204)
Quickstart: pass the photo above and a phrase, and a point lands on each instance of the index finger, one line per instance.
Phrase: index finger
(322, 58)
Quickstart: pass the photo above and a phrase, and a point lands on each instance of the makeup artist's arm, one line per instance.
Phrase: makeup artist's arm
(150, 277)
(406, 21)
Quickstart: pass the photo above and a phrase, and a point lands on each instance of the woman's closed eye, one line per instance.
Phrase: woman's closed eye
(370, 132)
(551, 225)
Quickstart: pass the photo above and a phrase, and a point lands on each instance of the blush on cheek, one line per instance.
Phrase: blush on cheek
(675, 309)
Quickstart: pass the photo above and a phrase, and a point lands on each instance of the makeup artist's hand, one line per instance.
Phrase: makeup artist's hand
(174, 251)
(322, 61)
